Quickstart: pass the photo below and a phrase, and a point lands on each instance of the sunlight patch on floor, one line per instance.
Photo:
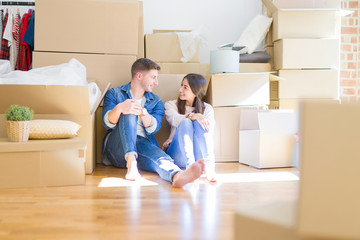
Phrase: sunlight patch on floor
(256, 177)
(121, 182)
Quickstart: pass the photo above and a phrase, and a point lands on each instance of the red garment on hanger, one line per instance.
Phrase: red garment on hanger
(5, 53)
(24, 58)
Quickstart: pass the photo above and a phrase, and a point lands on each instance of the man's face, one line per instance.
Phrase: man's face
(149, 80)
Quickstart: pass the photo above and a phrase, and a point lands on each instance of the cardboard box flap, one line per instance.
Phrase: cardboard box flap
(270, 6)
(101, 98)
(47, 99)
(278, 121)
(286, 5)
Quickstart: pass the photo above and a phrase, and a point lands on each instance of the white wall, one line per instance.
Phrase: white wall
(219, 21)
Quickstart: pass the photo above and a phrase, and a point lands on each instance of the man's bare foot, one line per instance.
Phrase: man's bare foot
(192, 173)
(132, 170)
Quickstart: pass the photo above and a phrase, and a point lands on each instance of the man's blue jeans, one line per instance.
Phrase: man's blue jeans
(124, 140)
(191, 143)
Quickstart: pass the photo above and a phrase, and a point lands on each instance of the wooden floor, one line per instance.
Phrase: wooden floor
(109, 207)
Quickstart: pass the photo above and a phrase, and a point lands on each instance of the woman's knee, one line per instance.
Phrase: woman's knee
(186, 123)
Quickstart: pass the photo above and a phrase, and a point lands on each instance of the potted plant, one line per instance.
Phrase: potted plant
(18, 123)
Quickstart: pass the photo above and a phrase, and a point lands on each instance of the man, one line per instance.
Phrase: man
(133, 114)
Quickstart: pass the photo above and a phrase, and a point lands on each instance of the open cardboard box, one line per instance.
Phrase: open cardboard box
(309, 21)
(56, 102)
(164, 46)
(267, 138)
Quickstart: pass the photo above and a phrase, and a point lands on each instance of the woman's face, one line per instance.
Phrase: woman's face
(185, 93)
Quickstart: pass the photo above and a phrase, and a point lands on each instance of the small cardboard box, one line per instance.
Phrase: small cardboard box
(306, 53)
(238, 89)
(319, 83)
(267, 138)
(83, 26)
(100, 68)
(301, 23)
(165, 47)
(42, 163)
(56, 102)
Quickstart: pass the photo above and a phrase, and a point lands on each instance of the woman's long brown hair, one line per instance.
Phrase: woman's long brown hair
(197, 85)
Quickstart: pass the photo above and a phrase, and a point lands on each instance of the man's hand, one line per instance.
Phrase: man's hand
(129, 106)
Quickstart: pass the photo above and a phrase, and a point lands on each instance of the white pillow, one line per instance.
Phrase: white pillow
(52, 129)
(254, 33)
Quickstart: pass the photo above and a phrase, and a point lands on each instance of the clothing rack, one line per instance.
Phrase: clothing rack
(11, 3)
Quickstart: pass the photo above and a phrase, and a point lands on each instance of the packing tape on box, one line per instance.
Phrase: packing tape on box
(224, 61)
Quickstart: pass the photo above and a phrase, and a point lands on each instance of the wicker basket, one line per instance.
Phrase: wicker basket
(18, 131)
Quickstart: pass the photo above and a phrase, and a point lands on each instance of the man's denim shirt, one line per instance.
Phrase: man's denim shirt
(153, 104)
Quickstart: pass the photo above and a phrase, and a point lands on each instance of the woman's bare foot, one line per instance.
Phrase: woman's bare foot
(192, 173)
(210, 173)
(132, 170)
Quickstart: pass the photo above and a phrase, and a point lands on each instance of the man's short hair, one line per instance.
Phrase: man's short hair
(143, 64)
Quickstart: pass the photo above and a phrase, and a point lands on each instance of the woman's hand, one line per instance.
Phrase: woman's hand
(166, 144)
(204, 122)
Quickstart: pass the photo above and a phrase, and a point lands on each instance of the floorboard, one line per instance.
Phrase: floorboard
(109, 207)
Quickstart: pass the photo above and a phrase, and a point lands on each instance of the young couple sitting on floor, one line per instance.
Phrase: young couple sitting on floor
(132, 114)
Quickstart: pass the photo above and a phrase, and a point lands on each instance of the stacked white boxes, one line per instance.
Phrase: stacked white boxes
(306, 40)
(87, 34)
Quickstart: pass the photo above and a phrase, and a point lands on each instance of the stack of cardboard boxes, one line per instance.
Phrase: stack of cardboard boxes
(107, 38)
(305, 38)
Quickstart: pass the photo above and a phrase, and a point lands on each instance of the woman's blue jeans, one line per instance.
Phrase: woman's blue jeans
(190, 144)
(123, 140)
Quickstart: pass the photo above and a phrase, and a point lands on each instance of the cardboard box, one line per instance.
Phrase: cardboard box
(306, 53)
(294, 103)
(42, 163)
(270, 221)
(165, 47)
(238, 89)
(267, 138)
(184, 68)
(309, 84)
(310, 23)
(254, 67)
(84, 26)
(226, 133)
(100, 68)
(48, 102)
(141, 40)
(328, 205)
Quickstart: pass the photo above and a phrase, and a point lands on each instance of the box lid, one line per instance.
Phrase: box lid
(41, 145)
(286, 5)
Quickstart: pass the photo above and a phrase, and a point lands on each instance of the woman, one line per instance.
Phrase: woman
(192, 123)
